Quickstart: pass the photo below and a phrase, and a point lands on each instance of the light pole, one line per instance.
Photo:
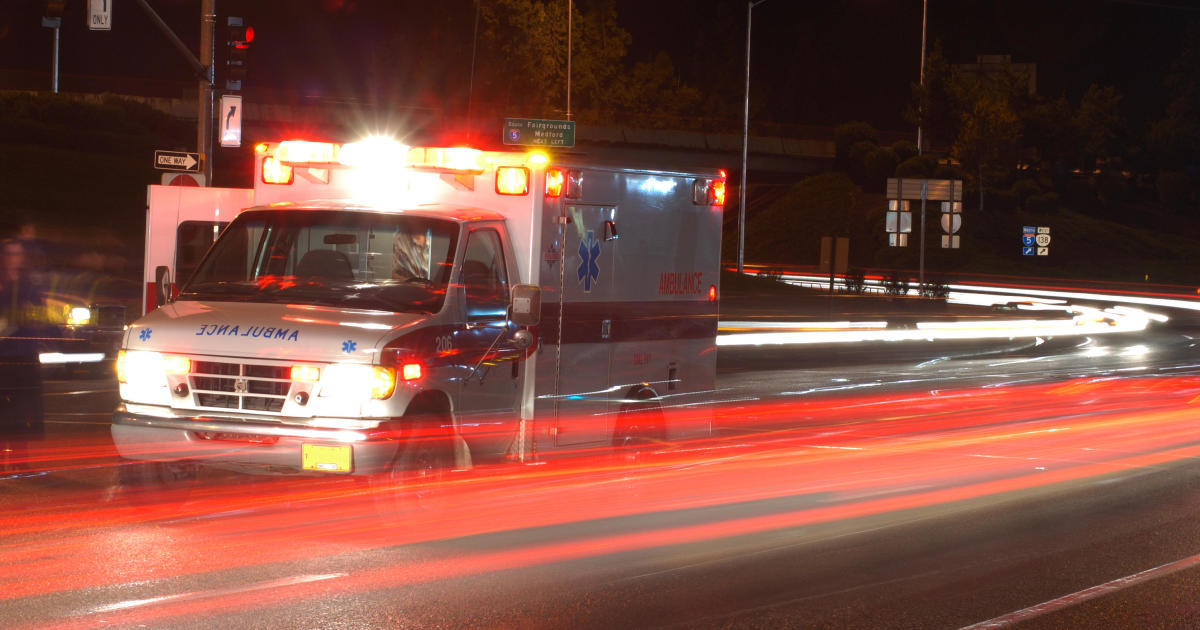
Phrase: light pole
(924, 182)
(750, 4)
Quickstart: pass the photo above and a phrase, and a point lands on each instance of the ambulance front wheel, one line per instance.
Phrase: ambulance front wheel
(414, 481)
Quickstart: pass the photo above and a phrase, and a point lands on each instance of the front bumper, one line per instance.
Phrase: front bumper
(235, 442)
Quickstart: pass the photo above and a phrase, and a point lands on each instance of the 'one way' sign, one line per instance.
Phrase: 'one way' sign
(177, 161)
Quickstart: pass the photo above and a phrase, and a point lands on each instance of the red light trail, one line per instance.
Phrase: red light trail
(771, 467)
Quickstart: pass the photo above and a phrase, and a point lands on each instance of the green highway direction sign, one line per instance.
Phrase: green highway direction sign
(539, 133)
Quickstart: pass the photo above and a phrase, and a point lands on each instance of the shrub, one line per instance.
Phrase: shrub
(916, 166)
(1174, 188)
(895, 284)
(904, 149)
(1043, 202)
(856, 281)
(935, 288)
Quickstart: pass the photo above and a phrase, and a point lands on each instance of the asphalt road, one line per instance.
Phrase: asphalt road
(1011, 484)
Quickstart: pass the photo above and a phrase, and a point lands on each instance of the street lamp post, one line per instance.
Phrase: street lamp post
(921, 79)
(750, 4)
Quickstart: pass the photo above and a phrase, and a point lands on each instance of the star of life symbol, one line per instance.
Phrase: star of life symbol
(589, 271)
(144, 335)
(349, 346)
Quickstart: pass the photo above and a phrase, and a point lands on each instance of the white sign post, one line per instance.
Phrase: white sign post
(99, 15)
(946, 190)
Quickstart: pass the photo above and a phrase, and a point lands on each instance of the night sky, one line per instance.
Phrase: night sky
(814, 63)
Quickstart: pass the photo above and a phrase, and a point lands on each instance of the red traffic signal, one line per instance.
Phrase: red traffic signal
(240, 36)
(237, 45)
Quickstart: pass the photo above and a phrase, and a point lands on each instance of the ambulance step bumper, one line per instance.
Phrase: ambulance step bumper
(273, 447)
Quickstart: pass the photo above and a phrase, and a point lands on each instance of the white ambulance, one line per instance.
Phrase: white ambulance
(388, 308)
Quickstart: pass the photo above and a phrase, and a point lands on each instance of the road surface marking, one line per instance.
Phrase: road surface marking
(1078, 597)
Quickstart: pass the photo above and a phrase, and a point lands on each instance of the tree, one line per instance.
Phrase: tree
(653, 88)
(523, 55)
(937, 105)
(1051, 139)
(1175, 139)
(846, 137)
(1099, 122)
(988, 145)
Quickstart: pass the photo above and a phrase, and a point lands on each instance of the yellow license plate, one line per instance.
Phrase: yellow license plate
(325, 458)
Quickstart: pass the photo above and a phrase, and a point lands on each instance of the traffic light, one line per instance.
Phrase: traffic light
(237, 45)
(54, 9)
(52, 16)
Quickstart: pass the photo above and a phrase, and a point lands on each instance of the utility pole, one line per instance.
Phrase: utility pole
(570, 19)
(741, 256)
(204, 112)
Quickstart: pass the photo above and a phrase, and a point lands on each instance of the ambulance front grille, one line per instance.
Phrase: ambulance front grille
(244, 386)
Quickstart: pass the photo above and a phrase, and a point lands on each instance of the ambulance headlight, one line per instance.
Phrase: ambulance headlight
(143, 368)
(358, 382)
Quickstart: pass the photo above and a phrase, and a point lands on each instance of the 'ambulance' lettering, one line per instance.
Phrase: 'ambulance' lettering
(681, 283)
(264, 332)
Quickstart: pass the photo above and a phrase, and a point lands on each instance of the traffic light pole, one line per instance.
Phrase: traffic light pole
(204, 134)
(204, 72)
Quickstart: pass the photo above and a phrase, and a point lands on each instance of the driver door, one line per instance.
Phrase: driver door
(488, 391)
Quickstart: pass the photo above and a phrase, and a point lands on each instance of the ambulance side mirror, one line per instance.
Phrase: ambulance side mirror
(525, 307)
(162, 285)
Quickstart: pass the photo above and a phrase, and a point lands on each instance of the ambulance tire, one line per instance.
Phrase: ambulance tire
(413, 482)
(155, 482)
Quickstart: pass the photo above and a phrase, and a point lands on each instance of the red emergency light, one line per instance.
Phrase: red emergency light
(556, 178)
(512, 180)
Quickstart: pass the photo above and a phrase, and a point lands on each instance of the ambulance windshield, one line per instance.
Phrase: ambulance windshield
(333, 258)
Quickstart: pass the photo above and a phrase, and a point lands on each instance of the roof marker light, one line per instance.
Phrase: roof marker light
(537, 157)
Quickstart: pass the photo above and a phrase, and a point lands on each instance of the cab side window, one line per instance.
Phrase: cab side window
(484, 277)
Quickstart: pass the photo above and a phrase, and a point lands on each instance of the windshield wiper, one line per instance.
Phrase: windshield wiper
(220, 288)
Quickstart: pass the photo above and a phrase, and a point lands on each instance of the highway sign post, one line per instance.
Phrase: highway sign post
(948, 191)
(177, 161)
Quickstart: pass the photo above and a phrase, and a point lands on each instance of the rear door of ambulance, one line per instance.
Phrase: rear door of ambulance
(583, 355)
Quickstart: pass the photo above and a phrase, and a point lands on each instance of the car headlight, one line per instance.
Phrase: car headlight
(79, 316)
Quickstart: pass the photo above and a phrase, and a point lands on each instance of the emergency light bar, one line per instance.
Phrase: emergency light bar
(453, 159)
(313, 154)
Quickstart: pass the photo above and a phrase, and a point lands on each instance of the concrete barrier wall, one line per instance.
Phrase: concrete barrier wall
(185, 108)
